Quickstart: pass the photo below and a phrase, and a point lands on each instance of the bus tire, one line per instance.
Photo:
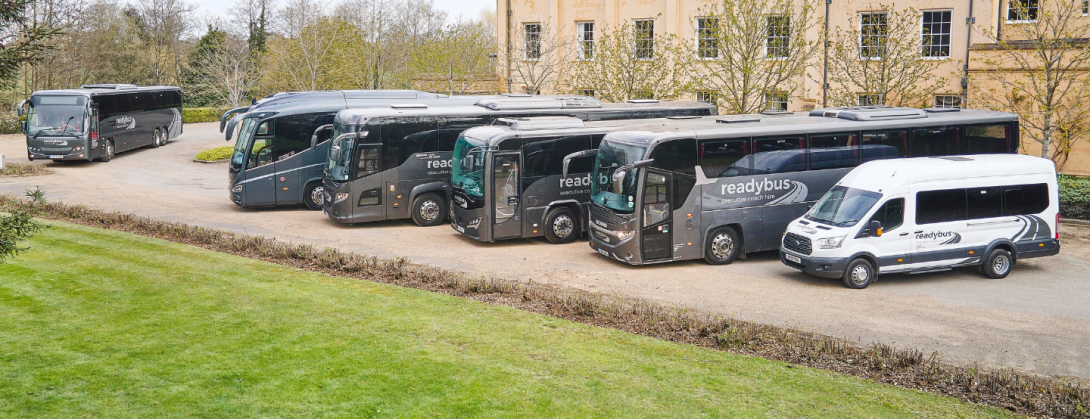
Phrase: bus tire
(166, 135)
(723, 246)
(859, 274)
(998, 264)
(313, 196)
(155, 142)
(561, 226)
(429, 210)
(109, 151)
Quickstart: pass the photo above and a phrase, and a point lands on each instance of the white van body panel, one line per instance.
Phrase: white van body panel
(921, 246)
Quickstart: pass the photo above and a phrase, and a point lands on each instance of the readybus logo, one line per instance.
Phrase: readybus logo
(573, 182)
(757, 186)
(125, 122)
(764, 191)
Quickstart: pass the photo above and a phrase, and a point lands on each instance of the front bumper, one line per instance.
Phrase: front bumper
(823, 267)
(74, 155)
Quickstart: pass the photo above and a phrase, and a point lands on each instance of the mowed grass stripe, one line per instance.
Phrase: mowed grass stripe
(108, 324)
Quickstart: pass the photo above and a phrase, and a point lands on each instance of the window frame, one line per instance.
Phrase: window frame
(527, 40)
(707, 96)
(773, 97)
(949, 35)
(785, 37)
(707, 35)
(881, 99)
(582, 42)
(881, 37)
(957, 102)
(647, 42)
(1035, 8)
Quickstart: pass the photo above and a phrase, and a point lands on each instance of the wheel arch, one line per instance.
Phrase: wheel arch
(441, 188)
(570, 204)
(1000, 244)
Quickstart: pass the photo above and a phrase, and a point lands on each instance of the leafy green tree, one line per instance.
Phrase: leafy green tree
(22, 40)
(633, 62)
(196, 92)
(19, 224)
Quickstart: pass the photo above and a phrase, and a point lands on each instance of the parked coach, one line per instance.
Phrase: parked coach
(97, 121)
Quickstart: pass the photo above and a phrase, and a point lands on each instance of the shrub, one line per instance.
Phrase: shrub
(19, 169)
(1074, 197)
(191, 115)
(19, 224)
(10, 124)
(215, 154)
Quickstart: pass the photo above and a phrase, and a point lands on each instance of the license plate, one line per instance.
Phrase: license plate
(461, 229)
(603, 252)
(793, 258)
(57, 157)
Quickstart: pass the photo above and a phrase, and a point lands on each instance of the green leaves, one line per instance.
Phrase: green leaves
(19, 224)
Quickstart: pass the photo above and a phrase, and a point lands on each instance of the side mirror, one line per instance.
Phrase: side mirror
(577, 155)
(875, 228)
(618, 179)
(314, 138)
(19, 109)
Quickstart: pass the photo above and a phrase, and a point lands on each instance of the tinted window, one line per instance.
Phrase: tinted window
(937, 141)
(940, 206)
(984, 202)
(451, 127)
(396, 131)
(779, 155)
(293, 133)
(719, 158)
(107, 106)
(833, 151)
(546, 158)
(678, 156)
(891, 214)
(884, 145)
(1025, 199)
(987, 139)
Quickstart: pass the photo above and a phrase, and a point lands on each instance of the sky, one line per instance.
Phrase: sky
(465, 8)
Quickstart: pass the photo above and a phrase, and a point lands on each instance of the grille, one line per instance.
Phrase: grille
(797, 243)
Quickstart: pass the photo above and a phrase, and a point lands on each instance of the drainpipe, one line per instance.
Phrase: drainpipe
(507, 40)
(825, 69)
(969, 21)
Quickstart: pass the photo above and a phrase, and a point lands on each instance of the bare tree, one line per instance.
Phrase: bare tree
(879, 60)
(1039, 71)
(539, 57)
(255, 16)
(227, 71)
(164, 24)
(749, 51)
(632, 62)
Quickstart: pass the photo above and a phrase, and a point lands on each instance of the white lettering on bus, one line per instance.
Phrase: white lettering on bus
(573, 182)
(755, 186)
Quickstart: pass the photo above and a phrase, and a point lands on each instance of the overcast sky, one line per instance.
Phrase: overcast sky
(465, 8)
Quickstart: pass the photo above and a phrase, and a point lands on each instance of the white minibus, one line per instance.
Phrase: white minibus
(928, 214)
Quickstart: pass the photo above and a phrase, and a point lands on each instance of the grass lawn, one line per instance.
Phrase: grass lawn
(95, 323)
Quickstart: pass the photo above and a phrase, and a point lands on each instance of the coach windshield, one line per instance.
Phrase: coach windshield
(57, 115)
(469, 154)
(610, 188)
(242, 143)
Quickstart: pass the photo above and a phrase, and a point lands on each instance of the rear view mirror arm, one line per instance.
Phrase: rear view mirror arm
(576, 155)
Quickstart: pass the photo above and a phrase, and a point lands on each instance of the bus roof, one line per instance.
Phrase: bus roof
(819, 120)
(547, 126)
(560, 105)
(888, 175)
(104, 89)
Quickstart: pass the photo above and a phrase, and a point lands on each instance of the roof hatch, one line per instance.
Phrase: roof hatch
(870, 113)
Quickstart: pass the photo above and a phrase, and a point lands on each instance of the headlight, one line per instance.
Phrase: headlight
(625, 235)
(831, 242)
(341, 197)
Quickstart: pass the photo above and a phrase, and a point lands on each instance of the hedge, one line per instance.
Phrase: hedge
(10, 124)
(190, 115)
(215, 154)
(1074, 197)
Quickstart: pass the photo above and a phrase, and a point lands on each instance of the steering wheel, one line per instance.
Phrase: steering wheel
(263, 155)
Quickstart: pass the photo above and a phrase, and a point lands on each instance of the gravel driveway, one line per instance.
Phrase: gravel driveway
(1037, 319)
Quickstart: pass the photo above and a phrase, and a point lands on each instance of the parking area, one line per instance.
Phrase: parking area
(1037, 319)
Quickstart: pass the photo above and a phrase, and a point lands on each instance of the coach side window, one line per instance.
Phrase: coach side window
(293, 133)
(987, 139)
(984, 202)
(725, 158)
(935, 141)
(940, 206)
(1025, 199)
(880, 145)
(397, 146)
(833, 151)
(779, 155)
(546, 158)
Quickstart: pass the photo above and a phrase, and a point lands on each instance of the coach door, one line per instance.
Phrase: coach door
(506, 214)
(260, 187)
(656, 219)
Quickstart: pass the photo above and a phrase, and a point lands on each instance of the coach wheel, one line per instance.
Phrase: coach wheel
(429, 210)
(109, 151)
(860, 274)
(561, 226)
(166, 135)
(313, 196)
(998, 264)
(155, 143)
(723, 247)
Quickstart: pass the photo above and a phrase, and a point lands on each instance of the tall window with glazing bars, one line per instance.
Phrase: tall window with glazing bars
(779, 37)
(585, 35)
(936, 33)
(707, 37)
(873, 29)
(645, 39)
(532, 36)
